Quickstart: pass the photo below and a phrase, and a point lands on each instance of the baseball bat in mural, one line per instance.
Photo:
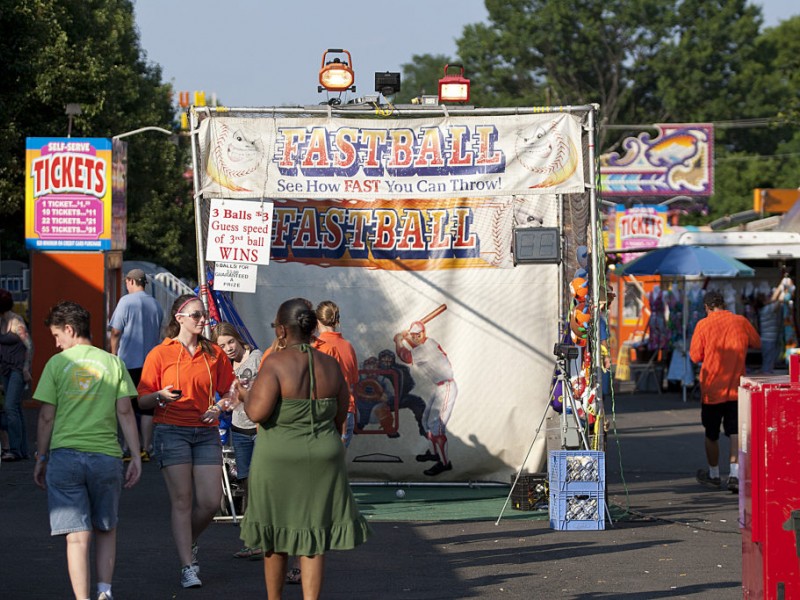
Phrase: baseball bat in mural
(434, 313)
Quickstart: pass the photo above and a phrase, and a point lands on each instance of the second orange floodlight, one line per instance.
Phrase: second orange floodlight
(453, 88)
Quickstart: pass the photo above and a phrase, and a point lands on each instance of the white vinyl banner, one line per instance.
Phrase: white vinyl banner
(454, 343)
(407, 225)
(441, 157)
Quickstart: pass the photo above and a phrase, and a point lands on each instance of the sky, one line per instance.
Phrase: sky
(228, 48)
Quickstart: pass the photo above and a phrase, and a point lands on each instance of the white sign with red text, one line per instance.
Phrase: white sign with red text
(239, 231)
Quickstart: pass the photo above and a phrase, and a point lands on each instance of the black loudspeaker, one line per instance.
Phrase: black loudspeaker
(536, 245)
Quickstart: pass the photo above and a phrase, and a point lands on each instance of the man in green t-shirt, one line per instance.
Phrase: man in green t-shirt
(85, 393)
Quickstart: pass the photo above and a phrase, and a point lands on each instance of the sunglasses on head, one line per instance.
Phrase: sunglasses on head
(196, 315)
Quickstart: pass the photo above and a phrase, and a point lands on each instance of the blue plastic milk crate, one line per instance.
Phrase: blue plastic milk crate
(580, 511)
(577, 471)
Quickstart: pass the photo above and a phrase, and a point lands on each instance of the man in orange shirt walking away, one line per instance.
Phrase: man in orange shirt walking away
(720, 341)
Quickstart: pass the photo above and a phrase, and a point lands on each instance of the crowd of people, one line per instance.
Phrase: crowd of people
(159, 395)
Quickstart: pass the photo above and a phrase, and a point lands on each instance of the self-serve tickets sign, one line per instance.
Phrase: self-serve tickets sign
(68, 194)
(239, 231)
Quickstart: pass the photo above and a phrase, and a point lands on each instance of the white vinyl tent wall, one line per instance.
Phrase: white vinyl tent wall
(501, 321)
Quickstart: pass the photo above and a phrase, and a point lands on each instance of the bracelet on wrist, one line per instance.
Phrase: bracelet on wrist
(160, 402)
(41, 458)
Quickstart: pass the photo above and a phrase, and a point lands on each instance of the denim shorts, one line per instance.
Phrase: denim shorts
(179, 445)
(83, 490)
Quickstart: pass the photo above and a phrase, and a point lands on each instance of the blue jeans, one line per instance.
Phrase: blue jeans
(243, 445)
(351, 425)
(14, 383)
(769, 353)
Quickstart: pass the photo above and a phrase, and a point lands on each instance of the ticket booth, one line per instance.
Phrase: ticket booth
(75, 226)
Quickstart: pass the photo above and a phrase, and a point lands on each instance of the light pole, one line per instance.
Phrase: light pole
(173, 136)
(73, 109)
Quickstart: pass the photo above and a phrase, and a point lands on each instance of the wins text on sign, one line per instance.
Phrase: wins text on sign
(239, 231)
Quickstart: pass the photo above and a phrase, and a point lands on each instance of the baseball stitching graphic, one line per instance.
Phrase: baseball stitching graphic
(236, 153)
(543, 150)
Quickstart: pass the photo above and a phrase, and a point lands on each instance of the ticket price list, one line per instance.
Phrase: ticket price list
(69, 218)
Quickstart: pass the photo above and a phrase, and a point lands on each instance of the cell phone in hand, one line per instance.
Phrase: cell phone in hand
(179, 392)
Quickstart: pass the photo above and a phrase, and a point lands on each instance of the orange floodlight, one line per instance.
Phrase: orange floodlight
(336, 75)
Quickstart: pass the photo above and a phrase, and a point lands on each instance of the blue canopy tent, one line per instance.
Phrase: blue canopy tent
(686, 262)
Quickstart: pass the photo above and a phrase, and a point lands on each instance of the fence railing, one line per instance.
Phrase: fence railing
(18, 285)
(166, 288)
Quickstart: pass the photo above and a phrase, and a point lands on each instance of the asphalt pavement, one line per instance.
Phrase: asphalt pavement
(676, 540)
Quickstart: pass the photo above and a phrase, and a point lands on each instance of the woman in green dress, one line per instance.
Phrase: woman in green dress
(299, 498)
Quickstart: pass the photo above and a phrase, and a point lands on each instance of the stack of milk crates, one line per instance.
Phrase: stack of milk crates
(529, 492)
(577, 481)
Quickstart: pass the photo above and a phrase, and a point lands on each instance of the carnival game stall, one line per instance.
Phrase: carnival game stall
(463, 227)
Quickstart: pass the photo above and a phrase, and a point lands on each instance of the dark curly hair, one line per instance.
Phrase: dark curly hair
(298, 315)
(70, 313)
(713, 299)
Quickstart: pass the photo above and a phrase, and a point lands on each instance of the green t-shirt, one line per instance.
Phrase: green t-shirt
(84, 383)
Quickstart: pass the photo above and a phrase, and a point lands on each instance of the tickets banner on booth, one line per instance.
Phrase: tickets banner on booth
(68, 194)
(391, 158)
(639, 227)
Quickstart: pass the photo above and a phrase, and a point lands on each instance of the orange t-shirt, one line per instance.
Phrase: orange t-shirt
(264, 356)
(333, 344)
(720, 341)
(198, 377)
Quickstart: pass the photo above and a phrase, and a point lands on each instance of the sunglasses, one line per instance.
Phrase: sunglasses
(195, 316)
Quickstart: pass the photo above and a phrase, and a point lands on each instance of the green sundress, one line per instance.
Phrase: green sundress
(299, 499)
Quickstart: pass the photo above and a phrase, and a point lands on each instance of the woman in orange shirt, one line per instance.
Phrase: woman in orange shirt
(180, 379)
(331, 342)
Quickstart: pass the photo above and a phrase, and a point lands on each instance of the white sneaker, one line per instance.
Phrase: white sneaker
(105, 596)
(195, 561)
(189, 578)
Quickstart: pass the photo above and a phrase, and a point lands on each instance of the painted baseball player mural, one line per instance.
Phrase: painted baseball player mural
(415, 348)
(374, 398)
(405, 383)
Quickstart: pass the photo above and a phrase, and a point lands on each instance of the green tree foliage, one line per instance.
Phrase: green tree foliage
(649, 61)
(535, 52)
(87, 51)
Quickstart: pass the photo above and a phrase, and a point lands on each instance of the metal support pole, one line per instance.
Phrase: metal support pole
(597, 358)
(198, 217)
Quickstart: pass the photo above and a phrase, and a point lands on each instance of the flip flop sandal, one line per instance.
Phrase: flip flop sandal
(293, 576)
(257, 554)
(247, 552)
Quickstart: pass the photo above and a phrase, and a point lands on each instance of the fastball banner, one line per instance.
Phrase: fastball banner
(391, 158)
